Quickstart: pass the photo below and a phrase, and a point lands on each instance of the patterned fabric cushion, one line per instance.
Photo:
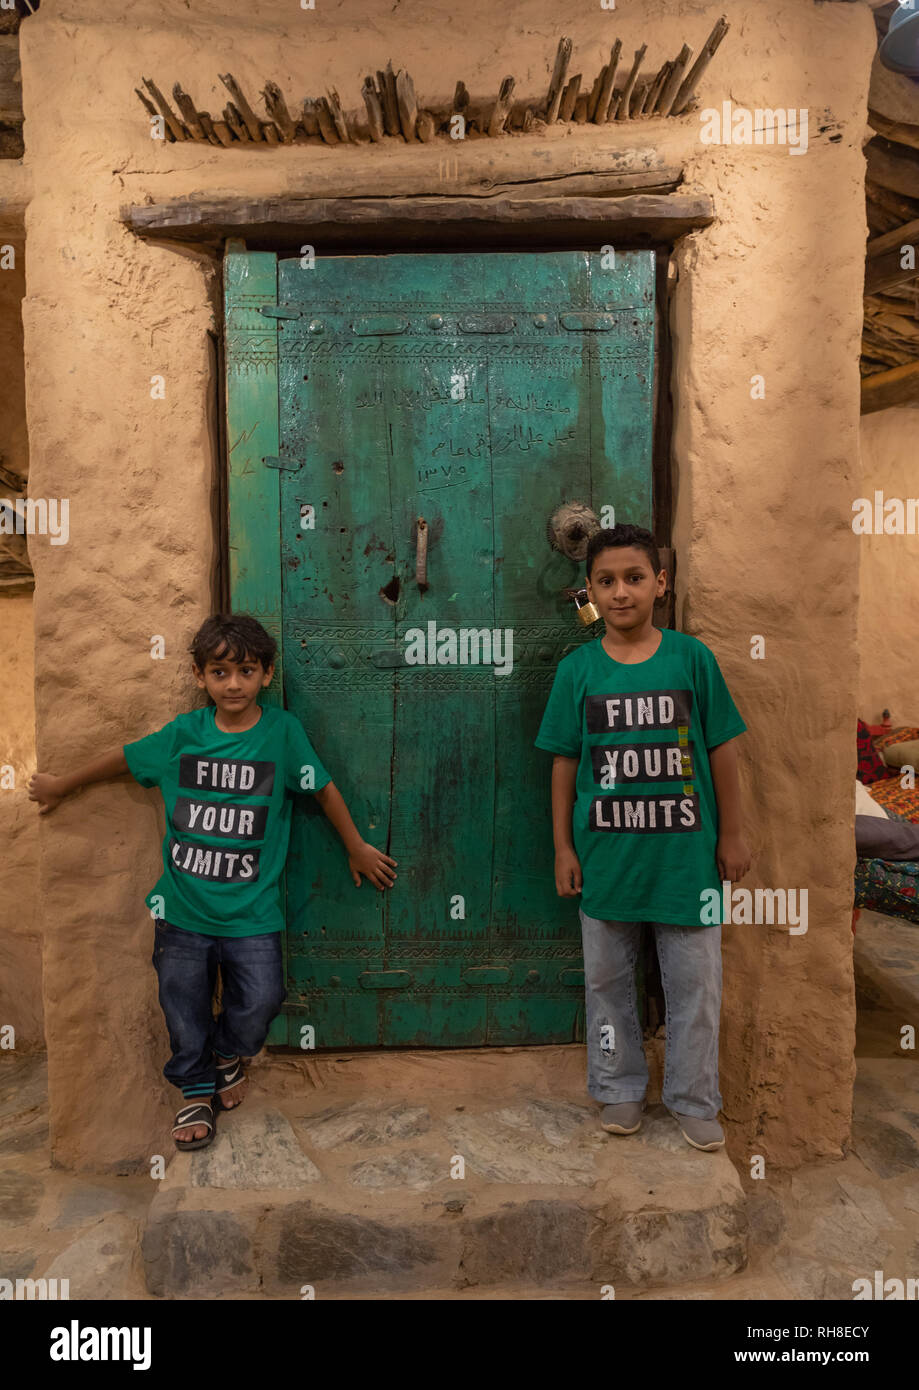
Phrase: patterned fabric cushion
(903, 734)
(889, 888)
(883, 885)
(899, 753)
(896, 800)
(871, 767)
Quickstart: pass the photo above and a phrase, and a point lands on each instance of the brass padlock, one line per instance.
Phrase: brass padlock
(587, 611)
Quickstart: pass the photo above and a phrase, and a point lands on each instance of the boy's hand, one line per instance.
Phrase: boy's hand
(733, 857)
(568, 880)
(373, 864)
(44, 787)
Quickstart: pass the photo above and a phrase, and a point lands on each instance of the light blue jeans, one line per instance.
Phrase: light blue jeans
(690, 964)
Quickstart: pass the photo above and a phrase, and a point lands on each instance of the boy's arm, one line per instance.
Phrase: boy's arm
(732, 853)
(363, 858)
(568, 880)
(50, 791)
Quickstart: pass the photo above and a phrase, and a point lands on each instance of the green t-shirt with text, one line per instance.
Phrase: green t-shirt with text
(228, 806)
(645, 819)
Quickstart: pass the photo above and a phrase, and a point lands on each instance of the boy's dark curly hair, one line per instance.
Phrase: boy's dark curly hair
(621, 535)
(234, 636)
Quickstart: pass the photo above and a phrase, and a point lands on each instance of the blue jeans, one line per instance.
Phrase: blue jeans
(690, 964)
(253, 992)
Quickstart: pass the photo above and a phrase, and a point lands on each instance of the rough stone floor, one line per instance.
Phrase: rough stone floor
(337, 1173)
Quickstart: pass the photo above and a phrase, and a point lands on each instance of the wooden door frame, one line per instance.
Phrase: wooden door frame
(660, 460)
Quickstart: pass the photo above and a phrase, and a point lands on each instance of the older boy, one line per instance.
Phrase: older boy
(227, 771)
(642, 726)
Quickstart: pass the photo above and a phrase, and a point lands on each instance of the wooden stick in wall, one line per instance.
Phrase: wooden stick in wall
(310, 120)
(224, 133)
(326, 124)
(408, 109)
(501, 107)
(250, 120)
(595, 90)
(688, 88)
(234, 120)
(207, 126)
(566, 106)
(426, 126)
(374, 110)
(657, 87)
(606, 90)
(165, 110)
(640, 96)
(190, 116)
(386, 81)
(338, 116)
(151, 109)
(622, 113)
(557, 81)
(672, 85)
(277, 110)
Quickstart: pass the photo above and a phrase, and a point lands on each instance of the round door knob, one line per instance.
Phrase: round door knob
(570, 527)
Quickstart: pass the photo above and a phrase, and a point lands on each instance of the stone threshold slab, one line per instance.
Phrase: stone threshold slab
(324, 1191)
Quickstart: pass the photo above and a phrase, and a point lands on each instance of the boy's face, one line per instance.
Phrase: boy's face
(624, 586)
(233, 685)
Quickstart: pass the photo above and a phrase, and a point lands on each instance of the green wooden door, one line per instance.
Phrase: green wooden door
(475, 393)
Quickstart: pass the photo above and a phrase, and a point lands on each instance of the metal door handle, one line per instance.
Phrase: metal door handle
(421, 553)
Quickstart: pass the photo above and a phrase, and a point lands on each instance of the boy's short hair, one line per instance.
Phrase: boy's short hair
(622, 535)
(234, 636)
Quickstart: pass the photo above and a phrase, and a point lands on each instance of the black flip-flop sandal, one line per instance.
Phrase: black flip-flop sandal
(229, 1075)
(201, 1113)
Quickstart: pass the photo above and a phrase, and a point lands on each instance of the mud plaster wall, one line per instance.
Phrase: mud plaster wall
(763, 488)
(20, 940)
(888, 570)
(20, 937)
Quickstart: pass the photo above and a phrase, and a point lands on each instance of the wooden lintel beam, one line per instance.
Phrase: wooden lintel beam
(884, 266)
(644, 218)
(899, 386)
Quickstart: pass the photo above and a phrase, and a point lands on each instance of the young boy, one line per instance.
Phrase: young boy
(227, 771)
(642, 726)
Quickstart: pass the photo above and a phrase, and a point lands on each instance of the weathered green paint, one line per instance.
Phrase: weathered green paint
(555, 355)
(339, 398)
(250, 282)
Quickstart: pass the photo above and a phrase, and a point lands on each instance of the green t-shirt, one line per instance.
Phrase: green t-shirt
(645, 819)
(227, 799)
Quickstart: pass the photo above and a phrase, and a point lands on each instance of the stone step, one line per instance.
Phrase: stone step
(341, 1195)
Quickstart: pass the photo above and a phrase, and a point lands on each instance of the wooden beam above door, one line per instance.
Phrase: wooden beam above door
(639, 219)
(899, 386)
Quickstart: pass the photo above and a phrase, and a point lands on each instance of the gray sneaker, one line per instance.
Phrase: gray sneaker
(623, 1117)
(702, 1134)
